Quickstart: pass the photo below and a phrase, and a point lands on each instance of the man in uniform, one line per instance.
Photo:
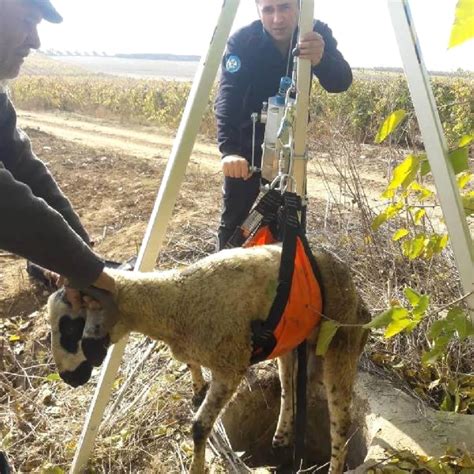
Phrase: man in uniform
(256, 58)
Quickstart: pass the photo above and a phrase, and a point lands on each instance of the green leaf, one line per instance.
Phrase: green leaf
(326, 333)
(379, 220)
(405, 173)
(422, 192)
(419, 215)
(420, 310)
(385, 318)
(412, 296)
(425, 166)
(390, 125)
(448, 404)
(464, 180)
(430, 357)
(463, 27)
(396, 327)
(53, 378)
(468, 203)
(388, 213)
(437, 328)
(439, 349)
(460, 322)
(459, 159)
(399, 234)
(434, 244)
(466, 140)
(414, 248)
(439, 242)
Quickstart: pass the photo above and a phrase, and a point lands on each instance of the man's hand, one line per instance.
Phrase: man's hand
(235, 166)
(311, 46)
(104, 282)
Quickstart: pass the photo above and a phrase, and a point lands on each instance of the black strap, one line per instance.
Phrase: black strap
(301, 408)
(287, 264)
(263, 213)
(263, 340)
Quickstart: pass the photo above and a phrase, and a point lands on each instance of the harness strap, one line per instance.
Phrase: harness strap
(301, 407)
(263, 338)
(264, 213)
(292, 203)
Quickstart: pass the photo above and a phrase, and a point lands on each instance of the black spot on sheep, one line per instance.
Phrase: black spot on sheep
(204, 313)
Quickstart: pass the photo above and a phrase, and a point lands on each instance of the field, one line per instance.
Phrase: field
(109, 159)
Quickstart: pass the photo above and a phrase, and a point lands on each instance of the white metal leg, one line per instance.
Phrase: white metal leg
(435, 142)
(302, 105)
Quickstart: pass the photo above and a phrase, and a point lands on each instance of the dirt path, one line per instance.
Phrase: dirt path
(156, 143)
(146, 142)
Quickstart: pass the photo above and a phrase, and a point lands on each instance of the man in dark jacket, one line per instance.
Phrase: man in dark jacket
(36, 220)
(256, 58)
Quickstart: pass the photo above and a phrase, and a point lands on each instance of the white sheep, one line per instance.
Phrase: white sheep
(204, 313)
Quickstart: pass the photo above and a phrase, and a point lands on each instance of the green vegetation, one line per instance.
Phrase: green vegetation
(358, 112)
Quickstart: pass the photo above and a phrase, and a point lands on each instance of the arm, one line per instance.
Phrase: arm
(28, 225)
(18, 157)
(32, 229)
(233, 86)
(333, 71)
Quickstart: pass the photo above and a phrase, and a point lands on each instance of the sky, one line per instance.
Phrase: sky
(362, 28)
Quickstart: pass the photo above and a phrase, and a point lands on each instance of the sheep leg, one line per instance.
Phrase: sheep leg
(221, 389)
(284, 431)
(340, 370)
(200, 386)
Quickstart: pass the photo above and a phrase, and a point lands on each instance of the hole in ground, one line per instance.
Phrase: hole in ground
(250, 421)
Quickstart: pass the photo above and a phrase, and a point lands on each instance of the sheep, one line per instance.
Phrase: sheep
(204, 313)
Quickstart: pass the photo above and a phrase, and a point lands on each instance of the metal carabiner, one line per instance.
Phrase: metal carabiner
(252, 167)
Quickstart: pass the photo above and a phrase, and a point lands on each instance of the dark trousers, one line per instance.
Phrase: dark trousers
(238, 198)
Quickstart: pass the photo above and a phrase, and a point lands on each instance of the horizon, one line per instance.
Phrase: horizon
(192, 58)
(368, 42)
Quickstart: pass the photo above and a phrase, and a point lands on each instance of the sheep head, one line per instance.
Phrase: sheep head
(80, 339)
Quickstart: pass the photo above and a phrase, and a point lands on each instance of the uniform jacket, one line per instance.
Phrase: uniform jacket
(36, 220)
(251, 71)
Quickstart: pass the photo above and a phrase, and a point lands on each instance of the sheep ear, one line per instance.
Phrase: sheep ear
(99, 325)
(105, 298)
(96, 336)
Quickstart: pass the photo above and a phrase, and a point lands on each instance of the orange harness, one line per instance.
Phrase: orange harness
(298, 304)
(302, 312)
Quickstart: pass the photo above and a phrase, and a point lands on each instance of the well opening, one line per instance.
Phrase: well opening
(250, 421)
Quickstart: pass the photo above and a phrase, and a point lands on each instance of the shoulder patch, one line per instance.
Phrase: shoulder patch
(233, 64)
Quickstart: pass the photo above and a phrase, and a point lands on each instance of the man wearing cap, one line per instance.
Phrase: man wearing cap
(36, 220)
(256, 58)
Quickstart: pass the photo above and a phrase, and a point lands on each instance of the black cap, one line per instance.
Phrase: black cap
(49, 12)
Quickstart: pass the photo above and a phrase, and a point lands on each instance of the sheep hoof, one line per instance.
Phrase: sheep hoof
(199, 397)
